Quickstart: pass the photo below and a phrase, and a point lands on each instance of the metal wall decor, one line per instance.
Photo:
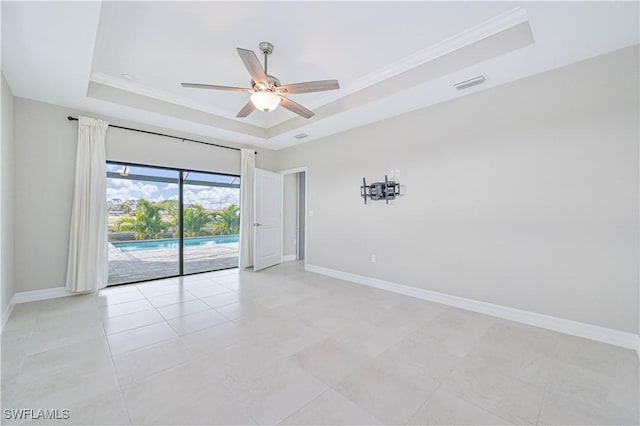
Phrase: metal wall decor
(387, 190)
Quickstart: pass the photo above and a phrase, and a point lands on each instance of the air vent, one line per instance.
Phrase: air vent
(301, 136)
(470, 83)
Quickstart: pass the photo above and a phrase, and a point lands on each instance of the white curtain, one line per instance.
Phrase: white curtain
(247, 178)
(88, 269)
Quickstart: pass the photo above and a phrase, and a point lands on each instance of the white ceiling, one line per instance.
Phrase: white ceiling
(390, 57)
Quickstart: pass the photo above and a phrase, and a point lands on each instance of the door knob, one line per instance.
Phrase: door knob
(257, 224)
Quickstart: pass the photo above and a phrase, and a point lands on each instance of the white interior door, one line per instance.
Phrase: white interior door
(267, 225)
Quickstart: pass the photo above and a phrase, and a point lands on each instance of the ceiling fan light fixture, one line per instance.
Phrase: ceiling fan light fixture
(265, 101)
(266, 89)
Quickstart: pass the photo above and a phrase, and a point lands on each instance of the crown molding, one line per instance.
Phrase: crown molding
(490, 27)
(468, 37)
(161, 95)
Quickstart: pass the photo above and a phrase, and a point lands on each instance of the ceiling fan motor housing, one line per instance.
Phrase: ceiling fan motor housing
(266, 47)
(261, 87)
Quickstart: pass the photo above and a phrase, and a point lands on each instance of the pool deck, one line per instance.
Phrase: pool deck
(149, 264)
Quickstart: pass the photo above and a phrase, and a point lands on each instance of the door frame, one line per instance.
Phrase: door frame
(306, 209)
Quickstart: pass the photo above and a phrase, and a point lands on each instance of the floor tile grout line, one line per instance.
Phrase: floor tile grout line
(335, 389)
(544, 394)
(115, 371)
(156, 373)
(328, 388)
(138, 327)
(124, 402)
(500, 416)
(426, 401)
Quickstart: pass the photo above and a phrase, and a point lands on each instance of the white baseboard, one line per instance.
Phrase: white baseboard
(47, 293)
(6, 314)
(289, 258)
(574, 328)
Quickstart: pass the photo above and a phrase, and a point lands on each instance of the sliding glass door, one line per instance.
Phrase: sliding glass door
(165, 222)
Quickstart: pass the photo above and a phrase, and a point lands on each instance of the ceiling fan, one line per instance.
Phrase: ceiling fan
(266, 91)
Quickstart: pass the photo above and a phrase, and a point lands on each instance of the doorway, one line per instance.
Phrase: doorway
(294, 200)
(165, 222)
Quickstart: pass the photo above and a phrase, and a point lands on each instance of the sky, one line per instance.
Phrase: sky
(207, 196)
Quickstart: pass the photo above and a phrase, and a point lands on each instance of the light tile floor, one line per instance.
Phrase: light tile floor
(286, 346)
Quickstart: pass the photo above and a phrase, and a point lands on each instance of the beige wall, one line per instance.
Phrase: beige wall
(45, 155)
(524, 195)
(7, 277)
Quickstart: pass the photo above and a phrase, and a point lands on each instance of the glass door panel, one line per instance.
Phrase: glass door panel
(143, 223)
(211, 221)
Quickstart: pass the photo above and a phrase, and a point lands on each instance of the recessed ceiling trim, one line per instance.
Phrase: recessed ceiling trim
(130, 99)
(150, 92)
(472, 35)
(498, 44)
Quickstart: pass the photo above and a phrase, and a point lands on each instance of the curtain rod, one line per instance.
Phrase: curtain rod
(70, 118)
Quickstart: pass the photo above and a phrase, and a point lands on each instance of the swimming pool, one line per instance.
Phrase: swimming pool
(168, 243)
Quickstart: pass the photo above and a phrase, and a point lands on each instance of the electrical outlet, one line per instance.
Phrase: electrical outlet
(390, 174)
(397, 173)
(373, 258)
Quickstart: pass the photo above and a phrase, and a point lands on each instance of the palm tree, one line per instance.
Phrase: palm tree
(227, 221)
(146, 221)
(169, 211)
(196, 218)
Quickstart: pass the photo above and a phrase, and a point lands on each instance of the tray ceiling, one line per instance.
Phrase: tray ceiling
(390, 57)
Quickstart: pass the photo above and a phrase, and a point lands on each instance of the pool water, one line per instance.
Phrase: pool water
(168, 243)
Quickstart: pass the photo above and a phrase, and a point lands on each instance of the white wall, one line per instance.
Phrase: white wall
(45, 156)
(524, 195)
(290, 214)
(7, 277)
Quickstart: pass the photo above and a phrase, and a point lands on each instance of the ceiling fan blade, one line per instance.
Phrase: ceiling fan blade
(214, 87)
(308, 87)
(296, 107)
(246, 110)
(251, 62)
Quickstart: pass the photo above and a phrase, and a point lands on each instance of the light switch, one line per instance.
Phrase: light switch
(390, 174)
(397, 173)
(310, 213)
